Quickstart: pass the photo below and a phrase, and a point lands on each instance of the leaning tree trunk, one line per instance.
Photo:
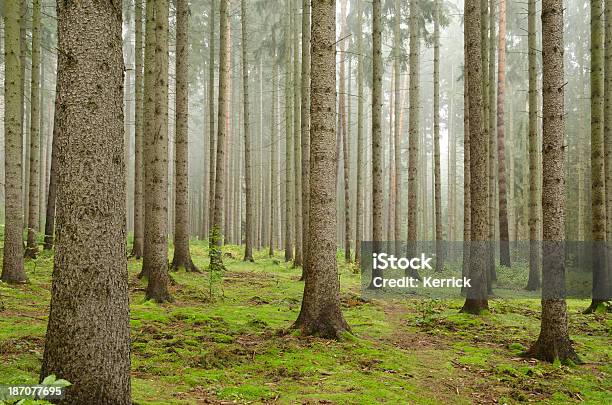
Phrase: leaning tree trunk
(320, 314)
(12, 260)
(305, 127)
(248, 251)
(554, 342)
(182, 256)
(35, 96)
(437, 188)
(156, 169)
(598, 178)
(216, 262)
(504, 237)
(360, 138)
(138, 246)
(88, 335)
(477, 299)
(534, 212)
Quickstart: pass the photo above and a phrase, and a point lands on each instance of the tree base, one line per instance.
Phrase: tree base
(9, 279)
(31, 252)
(474, 306)
(596, 305)
(550, 349)
(160, 295)
(532, 285)
(326, 327)
(184, 264)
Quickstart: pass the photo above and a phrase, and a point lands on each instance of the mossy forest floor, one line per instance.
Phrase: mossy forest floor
(228, 341)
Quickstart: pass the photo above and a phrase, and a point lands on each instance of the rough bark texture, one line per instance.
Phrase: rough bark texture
(359, 199)
(138, 246)
(377, 147)
(88, 335)
(413, 130)
(492, 147)
(212, 136)
(436, 140)
(274, 151)
(182, 256)
(288, 139)
(297, 136)
(553, 342)
(305, 127)
(534, 213)
(345, 141)
(467, 231)
(35, 96)
(248, 250)
(397, 176)
(476, 300)
(52, 189)
(216, 262)
(156, 168)
(12, 260)
(320, 314)
(504, 237)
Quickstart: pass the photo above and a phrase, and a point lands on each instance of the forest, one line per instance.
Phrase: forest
(306, 202)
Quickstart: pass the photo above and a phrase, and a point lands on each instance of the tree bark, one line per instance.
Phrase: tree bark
(534, 220)
(504, 247)
(138, 246)
(12, 260)
(216, 262)
(492, 147)
(248, 251)
(359, 198)
(554, 342)
(320, 314)
(182, 256)
(297, 137)
(467, 232)
(440, 251)
(211, 120)
(345, 142)
(274, 150)
(477, 298)
(156, 168)
(377, 146)
(288, 139)
(305, 136)
(88, 335)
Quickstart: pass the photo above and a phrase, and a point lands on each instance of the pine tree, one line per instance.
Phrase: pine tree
(305, 135)
(138, 247)
(359, 198)
(437, 187)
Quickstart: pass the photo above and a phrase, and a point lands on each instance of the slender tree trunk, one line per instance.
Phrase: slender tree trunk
(156, 168)
(305, 136)
(397, 221)
(88, 334)
(359, 199)
(248, 251)
(504, 237)
(320, 314)
(413, 137)
(440, 251)
(476, 300)
(377, 143)
(598, 171)
(274, 151)
(344, 134)
(467, 216)
(534, 220)
(138, 247)
(554, 342)
(211, 119)
(288, 140)
(297, 136)
(12, 260)
(492, 149)
(216, 262)
(182, 256)
(35, 96)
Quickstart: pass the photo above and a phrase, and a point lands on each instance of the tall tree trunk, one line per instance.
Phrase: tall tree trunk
(440, 251)
(288, 139)
(88, 334)
(320, 314)
(397, 177)
(359, 198)
(598, 178)
(274, 200)
(216, 262)
(211, 119)
(305, 127)
(476, 300)
(156, 168)
(248, 251)
(35, 96)
(345, 141)
(12, 260)
(297, 136)
(608, 145)
(504, 237)
(413, 137)
(554, 342)
(467, 216)
(492, 147)
(534, 219)
(377, 143)
(138, 247)
(182, 256)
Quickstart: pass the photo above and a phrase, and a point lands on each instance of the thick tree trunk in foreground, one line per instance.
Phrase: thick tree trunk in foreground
(534, 213)
(320, 314)
(35, 96)
(476, 300)
(305, 127)
(182, 256)
(216, 262)
(554, 342)
(248, 251)
(504, 237)
(12, 260)
(138, 246)
(88, 335)
(156, 170)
